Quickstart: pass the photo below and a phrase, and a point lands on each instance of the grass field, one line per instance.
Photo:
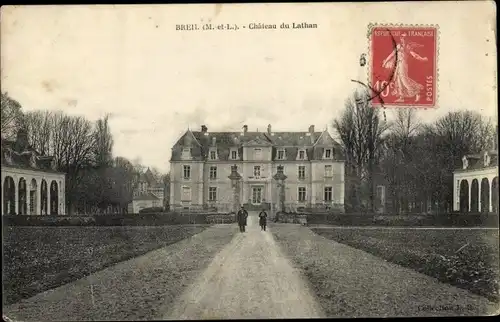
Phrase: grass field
(40, 258)
(350, 282)
(142, 288)
(465, 258)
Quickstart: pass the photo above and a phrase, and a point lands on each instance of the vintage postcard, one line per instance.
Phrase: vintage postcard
(249, 161)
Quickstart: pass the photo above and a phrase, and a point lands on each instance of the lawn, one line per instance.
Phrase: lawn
(40, 258)
(464, 258)
(350, 282)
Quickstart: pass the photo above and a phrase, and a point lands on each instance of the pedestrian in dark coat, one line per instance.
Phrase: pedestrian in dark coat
(241, 217)
(263, 219)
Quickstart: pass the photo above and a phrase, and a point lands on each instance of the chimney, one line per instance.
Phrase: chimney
(245, 128)
(311, 133)
(269, 129)
(204, 129)
(214, 140)
(22, 140)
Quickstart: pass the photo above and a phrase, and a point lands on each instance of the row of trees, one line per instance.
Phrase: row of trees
(96, 181)
(412, 159)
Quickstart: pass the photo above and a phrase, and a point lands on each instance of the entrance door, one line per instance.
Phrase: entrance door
(256, 195)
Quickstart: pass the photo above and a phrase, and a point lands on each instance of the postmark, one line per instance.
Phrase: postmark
(403, 65)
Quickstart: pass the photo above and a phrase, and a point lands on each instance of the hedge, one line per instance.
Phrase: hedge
(142, 219)
(440, 220)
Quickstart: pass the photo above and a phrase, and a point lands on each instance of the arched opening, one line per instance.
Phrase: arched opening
(33, 197)
(54, 198)
(464, 196)
(494, 194)
(485, 195)
(474, 196)
(22, 192)
(43, 197)
(9, 196)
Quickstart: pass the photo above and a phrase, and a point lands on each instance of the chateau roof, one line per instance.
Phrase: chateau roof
(17, 155)
(202, 142)
(477, 161)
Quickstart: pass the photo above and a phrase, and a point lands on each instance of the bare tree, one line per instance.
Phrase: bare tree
(104, 143)
(360, 130)
(39, 126)
(11, 116)
(399, 170)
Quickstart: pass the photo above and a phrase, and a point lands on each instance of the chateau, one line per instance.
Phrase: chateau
(148, 193)
(202, 162)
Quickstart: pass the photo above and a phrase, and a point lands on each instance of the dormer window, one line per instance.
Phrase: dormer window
(186, 153)
(302, 155)
(257, 154)
(213, 154)
(33, 160)
(486, 159)
(281, 154)
(8, 156)
(234, 154)
(328, 154)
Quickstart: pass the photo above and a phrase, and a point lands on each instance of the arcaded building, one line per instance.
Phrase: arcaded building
(30, 185)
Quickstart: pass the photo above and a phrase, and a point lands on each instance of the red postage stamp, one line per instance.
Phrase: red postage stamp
(403, 71)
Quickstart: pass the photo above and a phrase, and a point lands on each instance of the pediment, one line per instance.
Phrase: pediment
(325, 139)
(258, 141)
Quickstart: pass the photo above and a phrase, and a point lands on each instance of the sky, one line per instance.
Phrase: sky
(156, 82)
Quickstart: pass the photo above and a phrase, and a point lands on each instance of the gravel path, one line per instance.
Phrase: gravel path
(249, 278)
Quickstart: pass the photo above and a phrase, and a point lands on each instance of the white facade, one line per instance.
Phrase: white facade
(32, 192)
(315, 177)
(475, 189)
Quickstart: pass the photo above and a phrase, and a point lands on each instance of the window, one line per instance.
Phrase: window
(302, 194)
(328, 171)
(328, 193)
(302, 172)
(187, 172)
(257, 154)
(213, 173)
(328, 153)
(213, 155)
(302, 154)
(256, 171)
(186, 194)
(186, 153)
(212, 194)
(234, 155)
(486, 160)
(281, 154)
(257, 195)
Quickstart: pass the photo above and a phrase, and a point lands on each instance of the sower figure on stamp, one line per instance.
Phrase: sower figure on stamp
(242, 218)
(263, 219)
(404, 86)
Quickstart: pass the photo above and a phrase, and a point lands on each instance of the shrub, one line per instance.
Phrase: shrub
(444, 220)
(151, 210)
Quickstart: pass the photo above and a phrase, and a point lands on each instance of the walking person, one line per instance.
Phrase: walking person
(241, 217)
(263, 219)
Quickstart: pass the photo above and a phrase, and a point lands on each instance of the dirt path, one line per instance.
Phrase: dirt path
(249, 278)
